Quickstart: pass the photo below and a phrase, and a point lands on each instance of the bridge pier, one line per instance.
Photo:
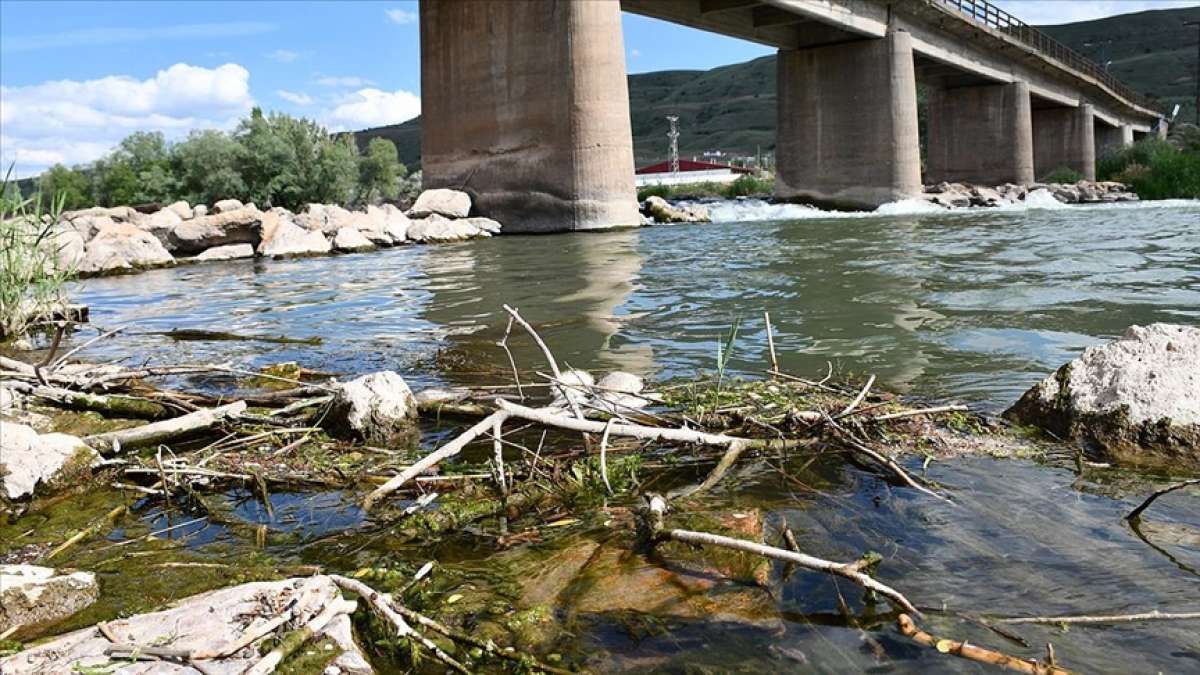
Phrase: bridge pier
(1109, 138)
(1064, 137)
(980, 134)
(847, 132)
(525, 106)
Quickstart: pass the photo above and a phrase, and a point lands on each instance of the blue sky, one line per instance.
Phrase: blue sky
(76, 77)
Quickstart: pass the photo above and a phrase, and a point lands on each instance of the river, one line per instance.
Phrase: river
(967, 306)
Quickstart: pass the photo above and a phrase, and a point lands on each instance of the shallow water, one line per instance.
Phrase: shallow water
(970, 306)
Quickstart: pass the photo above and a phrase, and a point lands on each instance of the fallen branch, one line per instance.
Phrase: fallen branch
(857, 399)
(656, 509)
(919, 411)
(86, 532)
(886, 461)
(973, 653)
(297, 638)
(1158, 493)
(164, 431)
(1154, 615)
(111, 405)
(549, 358)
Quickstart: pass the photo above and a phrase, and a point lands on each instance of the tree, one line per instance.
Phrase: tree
(145, 154)
(72, 186)
(380, 171)
(337, 171)
(115, 182)
(206, 168)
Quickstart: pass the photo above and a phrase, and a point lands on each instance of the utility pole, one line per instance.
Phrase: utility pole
(1197, 76)
(673, 134)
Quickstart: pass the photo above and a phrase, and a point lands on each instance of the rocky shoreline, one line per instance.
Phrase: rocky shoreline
(963, 195)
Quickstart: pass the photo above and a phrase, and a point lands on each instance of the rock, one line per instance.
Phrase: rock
(160, 224)
(69, 246)
(286, 239)
(662, 212)
(486, 224)
(11, 401)
(327, 218)
(576, 384)
(229, 252)
(30, 459)
(31, 595)
(396, 223)
(199, 210)
(206, 622)
(621, 382)
(436, 229)
(375, 408)
(237, 226)
(443, 202)
(226, 205)
(122, 246)
(183, 210)
(349, 239)
(89, 225)
(985, 196)
(1135, 399)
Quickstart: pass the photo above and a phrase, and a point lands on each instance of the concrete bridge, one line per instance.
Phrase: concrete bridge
(525, 102)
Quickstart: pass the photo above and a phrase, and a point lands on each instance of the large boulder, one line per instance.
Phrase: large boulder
(29, 459)
(69, 246)
(443, 202)
(436, 229)
(285, 239)
(160, 224)
(88, 224)
(375, 408)
(1135, 399)
(236, 226)
(326, 218)
(663, 212)
(33, 596)
(209, 622)
(122, 246)
(226, 205)
(384, 225)
(349, 240)
(182, 209)
(229, 252)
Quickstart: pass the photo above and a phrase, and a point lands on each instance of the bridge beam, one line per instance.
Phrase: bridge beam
(981, 134)
(847, 132)
(1064, 138)
(525, 106)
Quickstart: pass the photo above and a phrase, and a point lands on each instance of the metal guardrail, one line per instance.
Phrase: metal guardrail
(989, 15)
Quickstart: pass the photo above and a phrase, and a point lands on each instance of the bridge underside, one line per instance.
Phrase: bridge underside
(525, 103)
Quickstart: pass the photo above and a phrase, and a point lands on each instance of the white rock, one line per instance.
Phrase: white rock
(288, 239)
(436, 229)
(227, 205)
(376, 407)
(31, 595)
(663, 212)
(30, 459)
(349, 239)
(231, 226)
(396, 225)
(122, 246)
(160, 223)
(205, 622)
(69, 246)
(576, 384)
(199, 210)
(442, 201)
(486, 224)
(183, 210)
(229, 252)
(621, 382)
(89, 225)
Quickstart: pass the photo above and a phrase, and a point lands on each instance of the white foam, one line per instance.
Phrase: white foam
(908, 207)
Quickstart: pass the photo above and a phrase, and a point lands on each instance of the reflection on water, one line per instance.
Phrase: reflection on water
(962, 305)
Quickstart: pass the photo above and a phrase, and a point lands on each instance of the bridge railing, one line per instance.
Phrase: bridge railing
(989, 15)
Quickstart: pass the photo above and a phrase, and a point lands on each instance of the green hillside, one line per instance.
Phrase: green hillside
(732, 108)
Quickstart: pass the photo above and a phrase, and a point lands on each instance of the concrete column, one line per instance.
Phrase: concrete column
(980, 135)
(847, 133)
(1109, 139)
(1064, 137)
(525, 106)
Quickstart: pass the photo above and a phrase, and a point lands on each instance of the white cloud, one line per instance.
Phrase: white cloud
(373, 108)
(283, 55)
(634, 53)
(401, 16)
(73, 122)
(348, 82)
(93, 37)
(1045, 12)
(299, 98)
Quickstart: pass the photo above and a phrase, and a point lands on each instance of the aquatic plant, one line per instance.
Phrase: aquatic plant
(31, 276)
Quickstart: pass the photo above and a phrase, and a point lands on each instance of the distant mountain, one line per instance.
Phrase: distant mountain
(732, 108)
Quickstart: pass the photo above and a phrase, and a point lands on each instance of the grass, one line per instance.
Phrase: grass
(1155, 169)
(1062, 175)
(31, 278)
(746, 185)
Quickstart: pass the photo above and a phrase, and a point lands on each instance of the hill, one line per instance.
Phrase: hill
(732, 108)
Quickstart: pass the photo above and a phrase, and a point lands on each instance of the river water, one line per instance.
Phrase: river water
(971, 306)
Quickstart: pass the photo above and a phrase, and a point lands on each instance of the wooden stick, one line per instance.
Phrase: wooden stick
(164, 431)
(298, 638)
(111, 405)
(886, 461)
(498, 451)
(251, 634)
(657, 508)
(86, 532)
(1153, 615)
(445, 452)
(973, 653)
(922, 411)
(63, 359)
(857, 399)
(771, 343)
(1150, 500)
(603, 457)
(549, 358)
(503, 343)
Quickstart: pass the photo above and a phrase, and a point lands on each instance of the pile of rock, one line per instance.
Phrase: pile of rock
(102, 240)
(961, 195)
(661, 211)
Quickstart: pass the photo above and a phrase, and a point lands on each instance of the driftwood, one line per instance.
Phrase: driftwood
(161, 432)
(112, 405)
(973, 653)
(1153, 615)
(87, 532)
(1158, 493)
(296, 639)
(656, 508)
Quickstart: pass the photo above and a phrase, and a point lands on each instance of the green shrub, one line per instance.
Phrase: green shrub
(1063, 175)
(1154, 169)
(748, 185)
(31, 278)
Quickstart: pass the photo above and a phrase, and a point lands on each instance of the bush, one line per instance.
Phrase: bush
(1154, 169)
(748, 185)
(31, 279)
(1063, 175)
